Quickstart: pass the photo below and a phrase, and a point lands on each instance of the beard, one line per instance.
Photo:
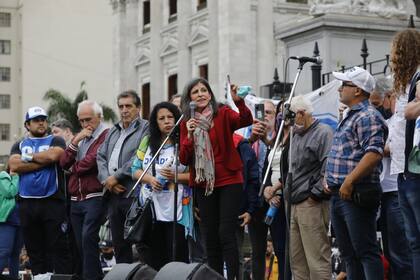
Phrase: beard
(38, 133)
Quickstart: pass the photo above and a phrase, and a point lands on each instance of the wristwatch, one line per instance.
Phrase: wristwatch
(27, 157)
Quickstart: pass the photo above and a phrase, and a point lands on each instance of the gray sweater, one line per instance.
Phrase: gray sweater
(126, 157)
(309, 154)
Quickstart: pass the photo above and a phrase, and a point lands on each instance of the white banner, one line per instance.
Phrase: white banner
(325, 101)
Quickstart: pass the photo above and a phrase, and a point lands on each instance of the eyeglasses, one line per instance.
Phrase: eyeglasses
(85, 120)
(347, 85)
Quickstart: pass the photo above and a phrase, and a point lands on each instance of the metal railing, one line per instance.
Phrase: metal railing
(376, 67)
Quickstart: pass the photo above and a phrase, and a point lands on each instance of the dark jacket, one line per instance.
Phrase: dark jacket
(250, 175)
(127, 154)
(309, 154)
(83, 182)
(411, 124)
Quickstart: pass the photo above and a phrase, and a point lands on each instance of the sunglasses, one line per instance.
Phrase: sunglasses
(347, 85)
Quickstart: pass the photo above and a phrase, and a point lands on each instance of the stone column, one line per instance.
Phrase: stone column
(184, 58)
(131, 35)
(265, 42)
(118, 17)
(156, 69)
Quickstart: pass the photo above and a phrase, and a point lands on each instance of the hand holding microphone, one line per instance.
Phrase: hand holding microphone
(192, 122)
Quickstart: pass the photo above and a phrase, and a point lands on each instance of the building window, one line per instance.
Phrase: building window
(172, 10)
(146, 16)
(172, 85)
(5, 20)
(4, 132)
(298, 1)
(145, 100)
(5, 46)
(201, 4)
(4, 74)
(203, 71)
(4, 101)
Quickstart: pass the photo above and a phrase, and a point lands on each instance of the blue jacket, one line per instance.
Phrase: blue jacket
(251, 177)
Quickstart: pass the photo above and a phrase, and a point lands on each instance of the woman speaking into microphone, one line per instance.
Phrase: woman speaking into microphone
(215, 168)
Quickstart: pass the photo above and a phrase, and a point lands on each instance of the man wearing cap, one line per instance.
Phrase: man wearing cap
(41, 195)
(353, 168)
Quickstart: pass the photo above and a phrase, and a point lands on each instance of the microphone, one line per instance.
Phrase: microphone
(304, 59)
(193, 105)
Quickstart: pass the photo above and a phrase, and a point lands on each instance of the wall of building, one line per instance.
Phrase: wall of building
(10, 115)
(64, 43)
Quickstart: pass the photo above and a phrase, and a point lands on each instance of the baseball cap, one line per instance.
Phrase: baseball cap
(35, 112)
(358, 76)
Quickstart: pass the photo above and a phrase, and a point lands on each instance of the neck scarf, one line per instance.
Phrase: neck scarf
(204, 159)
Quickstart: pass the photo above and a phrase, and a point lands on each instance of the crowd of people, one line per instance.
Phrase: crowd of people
(61, 187)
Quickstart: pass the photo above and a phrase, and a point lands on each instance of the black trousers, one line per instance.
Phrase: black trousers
(219, 219)
(117, 212)
(258, 231)
(157, 250)
(44, 227)
(258, 234)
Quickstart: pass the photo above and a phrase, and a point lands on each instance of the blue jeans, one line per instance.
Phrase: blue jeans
(396, 247)
(11, 242)
(409, 194)
(86, 218)
(355, 229)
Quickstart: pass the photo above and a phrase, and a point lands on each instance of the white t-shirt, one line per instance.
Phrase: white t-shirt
(389, 183)
(275, 166)
(163, 200)
(396, 138)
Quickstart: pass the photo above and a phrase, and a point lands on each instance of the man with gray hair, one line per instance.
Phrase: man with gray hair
(87, 209)
(310, 252)
(380, 98)
(391, 222)
(64, 129)
(115, 158)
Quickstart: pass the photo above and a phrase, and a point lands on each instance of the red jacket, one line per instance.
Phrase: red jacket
(225, 123)
(83, 182)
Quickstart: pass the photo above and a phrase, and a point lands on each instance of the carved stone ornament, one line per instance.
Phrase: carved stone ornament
(382, 8)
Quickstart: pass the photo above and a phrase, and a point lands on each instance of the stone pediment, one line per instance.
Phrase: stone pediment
(169, 46)
(199, 36)
(143, 57)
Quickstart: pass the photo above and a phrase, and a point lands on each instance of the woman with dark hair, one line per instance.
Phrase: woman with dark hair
(159, 183)
(215, 169)
(405, 65)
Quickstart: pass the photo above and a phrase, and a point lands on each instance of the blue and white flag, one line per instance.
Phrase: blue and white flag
(325, 101)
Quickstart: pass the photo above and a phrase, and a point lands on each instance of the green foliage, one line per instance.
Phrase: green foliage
(62, 107)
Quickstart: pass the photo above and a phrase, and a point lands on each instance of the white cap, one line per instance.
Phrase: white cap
(358, 76)
(35, 112)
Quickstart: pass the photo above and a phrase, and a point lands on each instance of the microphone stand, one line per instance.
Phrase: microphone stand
(175, 220)
(155, 156)
(287, 114)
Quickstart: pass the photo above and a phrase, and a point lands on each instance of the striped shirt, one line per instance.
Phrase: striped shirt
(363, 130)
